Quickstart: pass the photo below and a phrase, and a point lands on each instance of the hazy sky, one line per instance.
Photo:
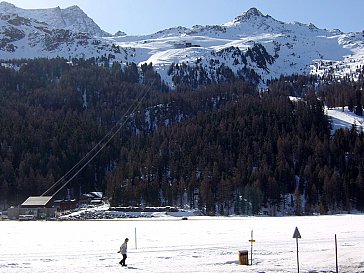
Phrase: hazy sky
(149, 16)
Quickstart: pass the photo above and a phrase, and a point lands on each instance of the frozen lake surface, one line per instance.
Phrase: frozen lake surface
(199, 244)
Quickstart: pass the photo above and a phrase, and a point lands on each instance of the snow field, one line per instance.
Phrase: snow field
(343, 118)
(169, 244)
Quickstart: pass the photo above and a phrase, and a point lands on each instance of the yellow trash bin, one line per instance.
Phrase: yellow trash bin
(243, 257)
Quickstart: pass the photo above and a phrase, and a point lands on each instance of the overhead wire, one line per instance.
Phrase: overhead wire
(81, 164)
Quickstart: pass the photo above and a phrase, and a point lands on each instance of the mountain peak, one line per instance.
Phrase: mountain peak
(72, 18)
(75, 8)
(5, 6)
(253, 12)
(249, 15)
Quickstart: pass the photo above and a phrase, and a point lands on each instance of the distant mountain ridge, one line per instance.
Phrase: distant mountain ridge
(250, 44)
(72, 18)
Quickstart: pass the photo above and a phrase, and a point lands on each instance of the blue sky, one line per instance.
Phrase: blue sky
(149, 16)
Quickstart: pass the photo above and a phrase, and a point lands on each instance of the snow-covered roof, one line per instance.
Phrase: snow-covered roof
(37, 201)
(94, 194)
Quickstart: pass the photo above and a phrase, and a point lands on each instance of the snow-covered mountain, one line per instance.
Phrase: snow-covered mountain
(251, 43)
(255, 41)
(72, 18)
(56, 32)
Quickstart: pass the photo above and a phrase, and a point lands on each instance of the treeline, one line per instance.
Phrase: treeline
(223, 148)
(187, 75)
(256, 151)
(53, 112)
(333, 92)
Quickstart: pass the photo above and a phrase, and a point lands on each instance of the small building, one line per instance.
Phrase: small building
(92, 198)
(35, 207)
(63, 205)
(184, 45)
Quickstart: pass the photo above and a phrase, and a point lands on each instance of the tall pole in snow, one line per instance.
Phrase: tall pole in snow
(297, 236)
(136, 245)
(337, 265)
(298, 260)
(251, 248)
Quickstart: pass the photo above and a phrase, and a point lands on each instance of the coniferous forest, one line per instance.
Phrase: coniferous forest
(225, 148)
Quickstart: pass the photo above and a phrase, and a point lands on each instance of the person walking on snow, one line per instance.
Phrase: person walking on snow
(123, 250)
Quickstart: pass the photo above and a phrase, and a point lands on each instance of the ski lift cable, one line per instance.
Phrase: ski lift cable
(107, 137)
(105, 144)
(63, 178)
(84, 165)
(82, 160)
(129, 111)
(100, 145)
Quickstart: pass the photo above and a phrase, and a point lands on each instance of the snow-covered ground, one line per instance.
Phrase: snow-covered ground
(169, 244)
(343, 118)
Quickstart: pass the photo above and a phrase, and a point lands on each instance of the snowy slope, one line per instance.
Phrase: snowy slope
(343, 118)
(296, 48)
(23, 36)
(252, 40)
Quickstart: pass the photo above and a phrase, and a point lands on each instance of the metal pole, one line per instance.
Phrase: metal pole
(136, 245)
(251, 249)
(297, 235)
(337, 265)
(298, 263)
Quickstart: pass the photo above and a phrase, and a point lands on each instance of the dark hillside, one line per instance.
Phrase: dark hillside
(223, 148)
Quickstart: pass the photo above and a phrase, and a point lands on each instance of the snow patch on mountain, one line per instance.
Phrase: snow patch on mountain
(342, 118)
